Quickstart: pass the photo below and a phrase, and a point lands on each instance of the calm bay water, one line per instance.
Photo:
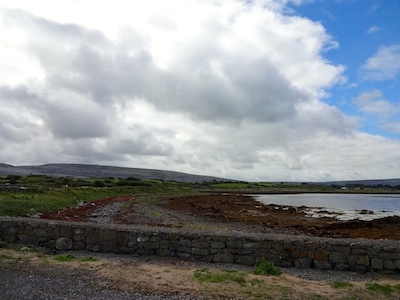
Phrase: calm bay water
(340, 206)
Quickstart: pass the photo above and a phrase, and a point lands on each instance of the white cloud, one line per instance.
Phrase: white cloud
(393, 127)
(383, 112)
(374, 103)
(383, 65)
(373, 29)
(227, 88)
(373, 7)
(301, 2)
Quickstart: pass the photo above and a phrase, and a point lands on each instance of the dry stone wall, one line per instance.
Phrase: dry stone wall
(282, 250)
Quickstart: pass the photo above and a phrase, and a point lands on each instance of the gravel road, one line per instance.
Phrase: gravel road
(17, 282)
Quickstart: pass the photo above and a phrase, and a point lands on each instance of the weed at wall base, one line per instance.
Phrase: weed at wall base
(266, 268)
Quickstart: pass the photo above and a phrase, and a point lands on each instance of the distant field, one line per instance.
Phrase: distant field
(26, 195)
(31, 194)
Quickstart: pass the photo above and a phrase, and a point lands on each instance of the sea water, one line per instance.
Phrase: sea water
(340, 206)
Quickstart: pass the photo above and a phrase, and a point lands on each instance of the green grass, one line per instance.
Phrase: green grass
(380, 288)
(65, 257)
(155, 214)
(88, 259)
(204, 275)
(234, 185)
(255, 281)
(264, 267)
(31, 201)
(341, 284)
(4, 256)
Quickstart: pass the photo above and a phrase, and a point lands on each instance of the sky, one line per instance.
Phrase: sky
(255, 90)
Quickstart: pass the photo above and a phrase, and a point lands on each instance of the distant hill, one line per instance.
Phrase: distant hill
(90, 171)
(373, 182)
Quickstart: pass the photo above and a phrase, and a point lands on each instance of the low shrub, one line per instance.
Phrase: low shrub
(264, 267)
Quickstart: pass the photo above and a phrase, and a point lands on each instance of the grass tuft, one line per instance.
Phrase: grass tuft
(204, 275)
(4, 256)
(89, 259)
(266, 268)
(380, 288)
(65, 257)
(341, 284)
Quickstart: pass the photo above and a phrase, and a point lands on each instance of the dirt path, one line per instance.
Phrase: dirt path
(222, 212)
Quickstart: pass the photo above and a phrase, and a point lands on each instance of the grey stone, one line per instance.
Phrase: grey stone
(201, 245)
(389, 248)
(93, 247)
(351, 260)
(13, 230)
(163, 252)
(185, 242)
(92, 237)
(342, 249)
(337, 257)
(142, 239)
(27, 239)
(377, 263)
(322, 265)
(223, 258)
(184, 249)
(64, 244)
(183, 255)
(389, 265)
(289, 247)
(107, 237)
(155, 238)
(217, 245)
(389, 255)
(49, 244)
(200, 251)
(277, 246)
(142, 251)
(298, 254)
(341, 267)
(321, 255)
(303, 263)
(234, 244)
(78, 245)
(266, 245)
(397, 263)
(121, 239)
(245, 260)
(66, 231)
(79, 231)
(251, 245)
(208, 258)
(152, 245)
(287, 264)
(107, 248)
(358, 251)
(362, 260)
(79, 238)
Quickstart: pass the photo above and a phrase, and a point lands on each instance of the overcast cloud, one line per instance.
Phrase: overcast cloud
(225, 88)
